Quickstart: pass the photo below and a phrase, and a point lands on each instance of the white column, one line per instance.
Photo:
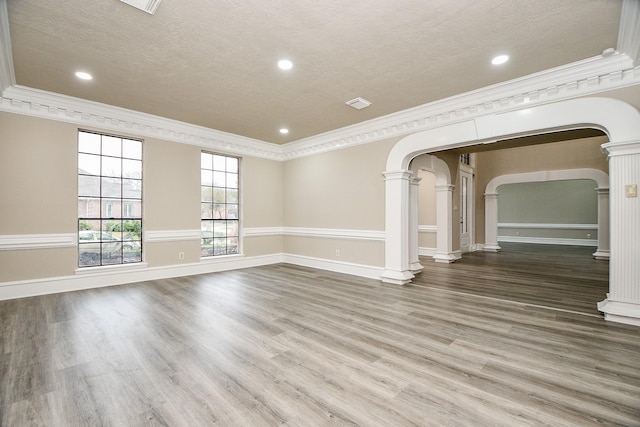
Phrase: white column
(603, 224)
(444, 212)
(623, 300)
(491, 222)
(396, 252)
(414, 209)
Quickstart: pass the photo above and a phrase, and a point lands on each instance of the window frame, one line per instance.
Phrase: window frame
(110, 176)
(220, 220)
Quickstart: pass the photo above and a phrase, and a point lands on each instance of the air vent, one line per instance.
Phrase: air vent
(148, 6)
(358, 103)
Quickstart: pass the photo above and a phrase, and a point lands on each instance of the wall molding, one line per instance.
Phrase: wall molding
(152, 236)
(427, 228)
(542, 226)
(548, 241)
(37, 241)
(335, 233)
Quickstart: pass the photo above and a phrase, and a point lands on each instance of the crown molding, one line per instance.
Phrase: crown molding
(588, 77)
(583, 78)
(49, 105)
(7, 75)
(629, 31)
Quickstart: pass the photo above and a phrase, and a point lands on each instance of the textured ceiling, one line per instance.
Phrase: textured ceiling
(213, 63)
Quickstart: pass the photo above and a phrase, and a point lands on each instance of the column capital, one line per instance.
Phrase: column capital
(623, 148)
(397, 175)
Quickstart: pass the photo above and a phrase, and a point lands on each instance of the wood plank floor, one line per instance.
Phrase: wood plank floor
(293, 346)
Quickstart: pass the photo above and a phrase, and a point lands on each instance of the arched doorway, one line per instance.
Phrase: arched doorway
(619, 120)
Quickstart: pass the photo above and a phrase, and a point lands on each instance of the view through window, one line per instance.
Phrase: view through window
(109, 200)
(219, 221)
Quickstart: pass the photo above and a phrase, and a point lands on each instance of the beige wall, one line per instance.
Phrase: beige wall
(427, 208)
(38, 193)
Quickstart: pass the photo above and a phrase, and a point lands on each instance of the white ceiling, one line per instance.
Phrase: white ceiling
(213, 63)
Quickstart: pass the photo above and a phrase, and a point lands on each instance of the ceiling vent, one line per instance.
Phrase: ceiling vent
(148, 6)
(358, 103)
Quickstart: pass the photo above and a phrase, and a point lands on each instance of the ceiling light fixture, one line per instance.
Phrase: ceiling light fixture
(284, 131)
(500, 59)
(285, 64)
(83, 76)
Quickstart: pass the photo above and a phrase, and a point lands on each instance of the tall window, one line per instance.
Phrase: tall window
(219, 204)
(109, 200)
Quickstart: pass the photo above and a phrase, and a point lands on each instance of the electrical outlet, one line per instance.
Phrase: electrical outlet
(337, 252)
(180, 255)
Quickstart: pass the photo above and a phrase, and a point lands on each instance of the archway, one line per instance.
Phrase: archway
(620, 121)
(601, 179)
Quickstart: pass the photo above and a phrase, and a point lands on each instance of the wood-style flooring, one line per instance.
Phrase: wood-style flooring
(284, 345)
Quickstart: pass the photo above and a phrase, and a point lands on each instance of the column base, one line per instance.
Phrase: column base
(601, 254)
(397, 277)
(491, 248)
(415, 267)
(619, 311)
(445, 258)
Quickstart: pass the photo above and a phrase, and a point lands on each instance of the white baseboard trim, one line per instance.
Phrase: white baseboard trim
(361, 270)
(548, 241)
(426, 251)
(112, 277)
(87, 280)
(619, 311)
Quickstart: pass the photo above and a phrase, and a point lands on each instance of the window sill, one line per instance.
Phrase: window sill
(108, 268)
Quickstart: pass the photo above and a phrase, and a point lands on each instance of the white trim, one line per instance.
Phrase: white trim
(427, 229)
(152, 236)
(629, 30)
(578, 79)
(109, 269)
(38, 241)
(430, 252)
(360, 270)
(97, 278)
(542, 226)
(600, 177)
(335, 233)
(548, 241)
(103, 277)
(263, 231)
(620, 311)
(7, 74)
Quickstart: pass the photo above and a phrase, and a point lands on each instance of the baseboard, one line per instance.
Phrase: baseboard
(113, 277)
(619, 311)
(361, 270)
(53, 285)
(548, 241)
(426, 251)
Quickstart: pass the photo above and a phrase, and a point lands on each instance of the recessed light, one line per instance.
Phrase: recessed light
(500, 59)
(284, 131)
(285, 64)
(83, 76)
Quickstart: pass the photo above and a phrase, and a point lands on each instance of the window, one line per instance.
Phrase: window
(219, 221)
(465, 159)
(109, 200)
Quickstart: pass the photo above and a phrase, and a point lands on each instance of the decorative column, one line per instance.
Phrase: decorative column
(444, 212)
(396, 252)
(623, 300)
(491, 222)
(603, 224)
(414, 209)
